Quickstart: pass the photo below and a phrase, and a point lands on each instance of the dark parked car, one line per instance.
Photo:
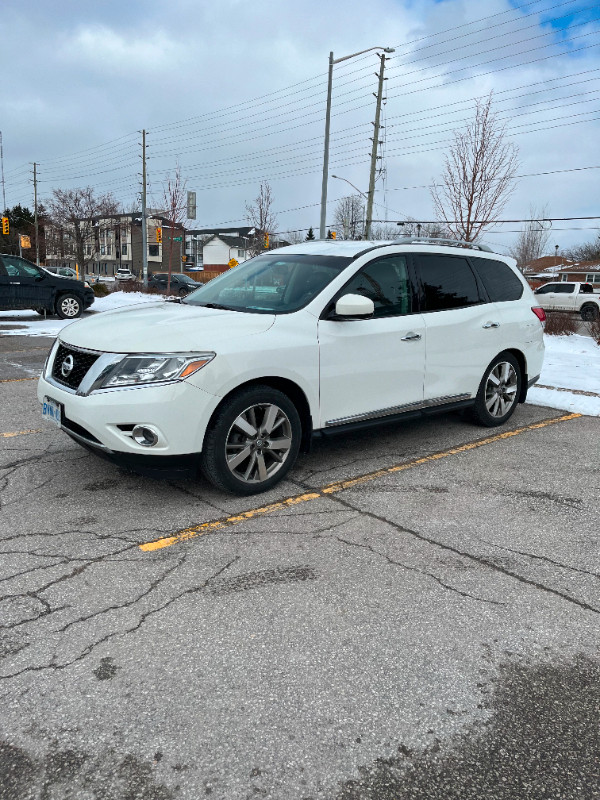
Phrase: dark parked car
(23, 285)
(180, 283)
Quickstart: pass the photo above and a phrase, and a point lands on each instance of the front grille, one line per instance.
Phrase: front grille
(81, 364)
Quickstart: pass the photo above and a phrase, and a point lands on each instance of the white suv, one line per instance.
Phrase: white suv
(316, 337)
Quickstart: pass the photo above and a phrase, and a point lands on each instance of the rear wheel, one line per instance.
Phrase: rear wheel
(498, 392)
(589, 312)
(252, 442)
(69, 306)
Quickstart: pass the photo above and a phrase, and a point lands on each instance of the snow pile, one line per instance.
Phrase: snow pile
(30, 323)
(571, 362)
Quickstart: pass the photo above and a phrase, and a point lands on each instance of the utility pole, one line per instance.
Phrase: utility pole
(2, 166)
(144, 218)
(376, 125)
(35, 215)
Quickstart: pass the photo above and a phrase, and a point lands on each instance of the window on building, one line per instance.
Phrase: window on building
(109, 249)
(123, 249)
(153, 250)
(102, 250)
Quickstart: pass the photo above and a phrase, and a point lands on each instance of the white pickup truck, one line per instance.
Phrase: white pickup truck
(569, 296)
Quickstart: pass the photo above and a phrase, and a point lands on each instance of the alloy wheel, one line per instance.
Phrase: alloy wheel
(258, 443)
(501, 389)
(69, 306)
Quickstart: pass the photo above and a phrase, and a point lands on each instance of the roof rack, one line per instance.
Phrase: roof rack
(446, 242)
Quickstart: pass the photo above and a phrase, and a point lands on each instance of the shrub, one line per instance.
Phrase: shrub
(594, 329)
(561, 323)
(100, 289)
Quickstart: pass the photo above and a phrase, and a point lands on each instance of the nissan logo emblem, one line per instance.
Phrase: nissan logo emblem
(66, 368)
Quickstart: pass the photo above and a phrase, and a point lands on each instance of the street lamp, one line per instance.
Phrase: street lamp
(333, 61)
(358, 190)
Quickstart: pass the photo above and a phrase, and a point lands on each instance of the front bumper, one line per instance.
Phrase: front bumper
(103, 420)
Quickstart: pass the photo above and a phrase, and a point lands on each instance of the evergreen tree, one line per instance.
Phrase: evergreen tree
(329, 235)
(310, 236)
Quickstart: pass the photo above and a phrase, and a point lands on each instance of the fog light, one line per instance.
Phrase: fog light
(145, 436)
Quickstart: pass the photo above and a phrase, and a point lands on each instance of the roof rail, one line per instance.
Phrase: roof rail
(446, 242)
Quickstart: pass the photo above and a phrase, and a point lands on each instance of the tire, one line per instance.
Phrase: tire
(499, 392)
(183, 293)
(69, 306)
(589, 312)
(234, 435)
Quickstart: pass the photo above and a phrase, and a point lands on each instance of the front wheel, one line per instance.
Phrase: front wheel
(252, 442)
(589, 313)
(498, 392)
(69, 306)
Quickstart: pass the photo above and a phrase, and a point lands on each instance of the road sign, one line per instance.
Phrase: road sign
(177, 238)
(25, 242)
(232, 263)
(191, 205)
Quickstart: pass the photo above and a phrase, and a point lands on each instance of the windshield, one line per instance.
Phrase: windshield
(270, 284)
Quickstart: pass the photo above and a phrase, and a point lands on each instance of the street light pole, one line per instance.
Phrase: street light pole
(333, 61)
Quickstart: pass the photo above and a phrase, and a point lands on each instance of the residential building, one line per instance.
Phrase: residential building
(553, 268)
(116, 241)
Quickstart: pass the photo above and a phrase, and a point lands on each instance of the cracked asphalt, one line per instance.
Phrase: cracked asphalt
(431, 633)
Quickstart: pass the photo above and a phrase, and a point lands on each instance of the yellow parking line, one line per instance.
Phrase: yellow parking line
(339, 486)
(19, 433)
(16, 380)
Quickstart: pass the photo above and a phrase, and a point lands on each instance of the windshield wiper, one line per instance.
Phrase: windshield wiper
(217, 305)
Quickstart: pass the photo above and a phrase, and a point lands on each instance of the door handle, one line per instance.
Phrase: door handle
(411, 337)
(492, 325)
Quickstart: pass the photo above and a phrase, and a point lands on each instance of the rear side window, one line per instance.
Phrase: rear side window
(447, 281)
(499, 280)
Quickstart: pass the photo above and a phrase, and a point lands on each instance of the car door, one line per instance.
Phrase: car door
(31, 286)
(548, 296)
(6, 289)
(463, 331)
(373, 367)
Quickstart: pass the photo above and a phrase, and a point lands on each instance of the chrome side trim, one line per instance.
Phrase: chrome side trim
(386, 412)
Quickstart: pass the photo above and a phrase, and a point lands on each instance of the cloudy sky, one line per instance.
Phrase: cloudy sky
(234, 92)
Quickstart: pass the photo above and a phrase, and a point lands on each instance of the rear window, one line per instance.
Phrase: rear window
(499, 280)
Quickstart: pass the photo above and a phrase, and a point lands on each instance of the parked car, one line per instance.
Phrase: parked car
(65, 272)
(319, 337)
(570, 296)
(180, 283)
(24, 285)
(124, 274)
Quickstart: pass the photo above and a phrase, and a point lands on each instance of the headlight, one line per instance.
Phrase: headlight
(155, 368)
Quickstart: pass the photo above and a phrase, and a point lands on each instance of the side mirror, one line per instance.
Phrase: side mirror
(354, 305)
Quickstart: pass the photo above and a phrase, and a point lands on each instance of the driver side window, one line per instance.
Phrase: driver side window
(387, 283)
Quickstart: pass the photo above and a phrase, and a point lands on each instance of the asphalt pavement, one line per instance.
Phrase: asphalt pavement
(412, 613)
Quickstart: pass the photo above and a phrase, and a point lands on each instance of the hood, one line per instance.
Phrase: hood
(163, 328)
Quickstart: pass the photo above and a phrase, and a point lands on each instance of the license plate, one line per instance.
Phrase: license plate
(52, 411)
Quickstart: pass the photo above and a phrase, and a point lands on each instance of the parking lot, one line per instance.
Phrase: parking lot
(413, 613)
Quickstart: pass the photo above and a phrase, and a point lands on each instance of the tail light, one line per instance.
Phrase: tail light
(539, 312)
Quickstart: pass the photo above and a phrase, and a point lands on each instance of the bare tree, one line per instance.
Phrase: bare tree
(294, 237)
(533, 238)
(590, 251)
(261, 216)
(349, 217)
(175, 203)
(75, 211)
(478, 176)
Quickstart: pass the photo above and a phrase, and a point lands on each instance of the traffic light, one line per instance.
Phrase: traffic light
(266, 240)
(333, 234)
(159, 235)
(5, 225)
